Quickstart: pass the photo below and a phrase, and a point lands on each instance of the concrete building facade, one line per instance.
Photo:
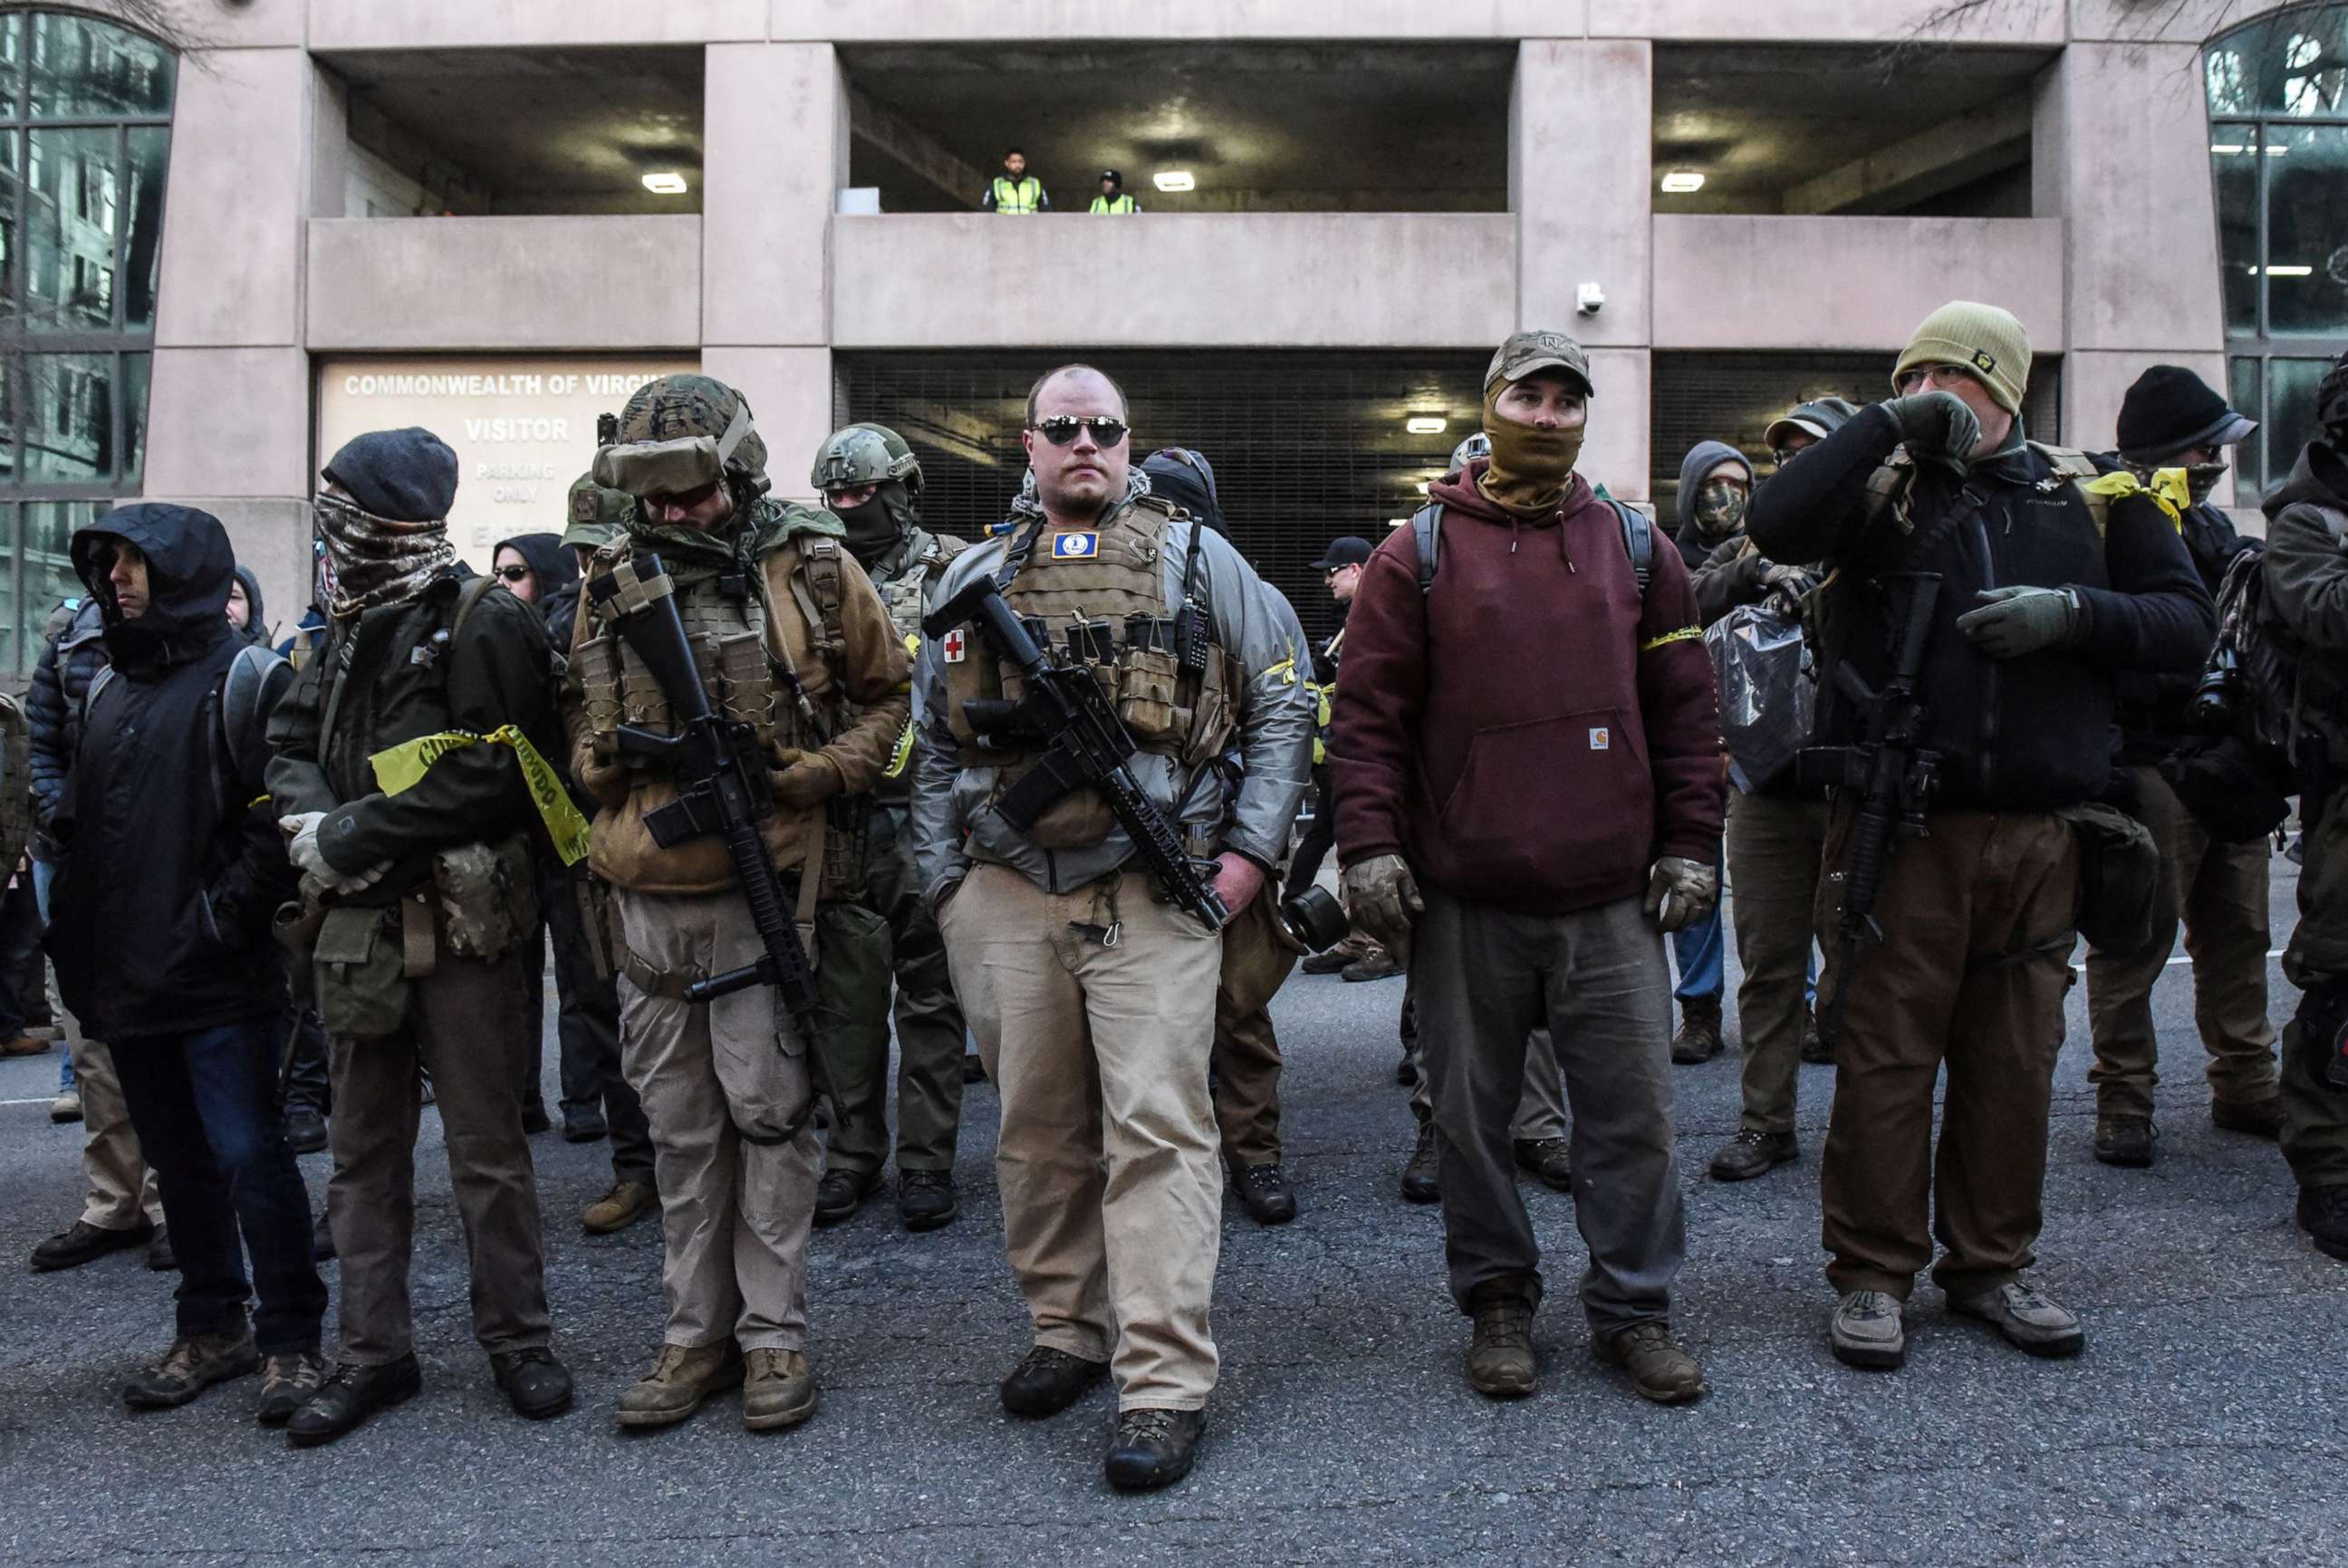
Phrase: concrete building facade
(290, 310)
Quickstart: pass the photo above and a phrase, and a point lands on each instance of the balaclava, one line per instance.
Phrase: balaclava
(1530, 468)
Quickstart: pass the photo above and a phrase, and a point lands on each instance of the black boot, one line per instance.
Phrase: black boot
(81, 1241)
(2323, 1215)
(1153, 1448)
(536, 1385)
(840, 1195)
(1048, 1381)
(925, 1199)
(1264, 1192)
(1418, 1174)
(350, 1397)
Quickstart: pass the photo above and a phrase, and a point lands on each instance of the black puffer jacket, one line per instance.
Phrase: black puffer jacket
(2026, 733)
(172, 862)
(53, 713)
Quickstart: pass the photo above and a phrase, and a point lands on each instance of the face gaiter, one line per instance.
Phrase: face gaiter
(1530, 467)
(1719, 509)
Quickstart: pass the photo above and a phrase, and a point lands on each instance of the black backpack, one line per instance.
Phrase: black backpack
(2237, 774)
(1638, 542)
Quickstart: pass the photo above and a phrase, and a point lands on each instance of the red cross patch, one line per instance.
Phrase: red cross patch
(954, 645)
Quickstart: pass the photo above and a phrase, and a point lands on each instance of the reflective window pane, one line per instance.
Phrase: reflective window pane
(67, 420)
(133, 471)
(2234, 160)
(142, 223)
(49, 576)
(12, 62)
(2291, 407)
(72, 214)
(2292, 64)
(2242, 392)
(84, 69)
(2307, 228)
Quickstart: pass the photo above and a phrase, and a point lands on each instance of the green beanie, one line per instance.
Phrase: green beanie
(1985, 340)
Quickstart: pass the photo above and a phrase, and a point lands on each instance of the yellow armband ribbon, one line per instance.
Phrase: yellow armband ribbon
(398, 768)
(1685, 635)
(2168, 492)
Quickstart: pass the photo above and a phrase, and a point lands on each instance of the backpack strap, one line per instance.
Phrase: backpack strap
(1427, 538)
(243, 721)
(817, 585)
(1638, 542)
(2071, 463)
(476, 589)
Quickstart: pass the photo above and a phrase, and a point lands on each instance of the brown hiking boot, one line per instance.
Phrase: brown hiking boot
(1699, 1037)
(1375, 963)
(2258, 1118)
(777, 1390)
(2122, 1139)
(628, 1201)
(1659, 1370)
(1551, 1158)
(1813, 1047)
(1501, 1360)
(679, 1381)
(193, 1364)
(1347, 951)
(287, 1381)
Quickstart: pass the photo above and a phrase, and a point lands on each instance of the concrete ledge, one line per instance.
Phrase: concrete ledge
(1092, 21)
(1828, 21)
(1306, 280)
(1764, 282)
(453, 283)
(529, 23)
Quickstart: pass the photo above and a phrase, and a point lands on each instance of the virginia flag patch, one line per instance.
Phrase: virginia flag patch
(1075, 546)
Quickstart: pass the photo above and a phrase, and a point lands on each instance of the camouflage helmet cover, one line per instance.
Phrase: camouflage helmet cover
(865, 454)
(596, 515)
(678, 407)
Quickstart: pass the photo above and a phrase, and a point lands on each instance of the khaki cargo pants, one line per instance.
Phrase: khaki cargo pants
(720, 1083)
(2220, 891)
(1775, 851)
(1978, 922)
(1112, 1189)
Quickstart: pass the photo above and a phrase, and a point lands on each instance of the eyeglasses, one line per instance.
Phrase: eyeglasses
(1061, 430)
(513, 573)
(1939, 376)
(681, 501)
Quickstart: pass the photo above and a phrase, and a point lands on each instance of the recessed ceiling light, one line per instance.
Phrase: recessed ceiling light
(1426, 424)
(1397, 521)
(1174, 180)
(665, 182)
(1681, 181)
(2286, 272)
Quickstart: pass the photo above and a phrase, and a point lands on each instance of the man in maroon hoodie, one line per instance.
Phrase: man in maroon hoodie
(1559, 820)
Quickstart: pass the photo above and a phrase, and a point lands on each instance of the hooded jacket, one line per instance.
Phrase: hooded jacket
(1552, 790)
(1701, 459)
(2307, 581)
(557, 570)
(2028, 734)
(256, 620)
(172, 865)
(53, 712)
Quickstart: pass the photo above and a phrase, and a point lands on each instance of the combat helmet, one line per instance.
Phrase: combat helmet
(681, 432)
(865, 454)
(597, 514)
(1478, 445)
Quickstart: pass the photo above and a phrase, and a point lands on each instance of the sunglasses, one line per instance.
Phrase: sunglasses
(1061, 430)
(513, 573)
(683, 501)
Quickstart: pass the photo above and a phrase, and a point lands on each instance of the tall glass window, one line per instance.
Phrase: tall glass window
(85, 137)
(2278, 92)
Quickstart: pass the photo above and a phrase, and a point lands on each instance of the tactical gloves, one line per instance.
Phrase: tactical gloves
(319, 878)
(2013, 622)
(1936, 424)
(1681, 892)
(807, 783)
(1384, 901)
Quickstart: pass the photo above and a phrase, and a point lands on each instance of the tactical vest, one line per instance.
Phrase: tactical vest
(904, 594)
(726, 623)
(1018, 197)
(1097, 597)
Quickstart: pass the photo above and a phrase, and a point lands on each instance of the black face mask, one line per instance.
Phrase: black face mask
(2201, 481)
(874, 528)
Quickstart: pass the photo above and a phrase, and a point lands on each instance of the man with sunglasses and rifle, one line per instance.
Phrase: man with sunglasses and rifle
(1985, 591)
(1082, 678)
(736, 688)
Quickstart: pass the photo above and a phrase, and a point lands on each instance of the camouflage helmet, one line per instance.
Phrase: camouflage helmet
(683, 406)
(865, 454)
(597, 514)
(1478, 445)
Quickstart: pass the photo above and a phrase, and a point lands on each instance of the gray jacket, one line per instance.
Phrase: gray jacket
(1253, 626)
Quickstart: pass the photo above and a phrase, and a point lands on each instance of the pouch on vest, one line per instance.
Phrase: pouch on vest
(359, 973)
(2119, 868)
(488, 896)
(295, 927)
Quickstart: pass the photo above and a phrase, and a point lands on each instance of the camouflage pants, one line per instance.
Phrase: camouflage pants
(2315, 1115)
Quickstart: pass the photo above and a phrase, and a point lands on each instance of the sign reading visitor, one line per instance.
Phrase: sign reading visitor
(522, 426)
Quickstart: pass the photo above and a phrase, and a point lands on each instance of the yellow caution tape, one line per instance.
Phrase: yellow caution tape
(1685, 635)
(2168, 490)
(399, 768)
(901, 755)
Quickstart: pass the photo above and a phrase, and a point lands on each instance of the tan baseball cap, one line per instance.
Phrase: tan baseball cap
(1526, 352)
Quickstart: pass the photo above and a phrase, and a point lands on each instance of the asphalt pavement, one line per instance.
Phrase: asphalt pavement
(2206, 1423)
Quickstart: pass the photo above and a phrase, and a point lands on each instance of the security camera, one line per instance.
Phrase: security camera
(1588, 299)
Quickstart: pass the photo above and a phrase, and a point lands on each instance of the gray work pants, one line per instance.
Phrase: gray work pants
(1596, 977)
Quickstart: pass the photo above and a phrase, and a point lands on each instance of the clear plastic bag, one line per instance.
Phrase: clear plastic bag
(1768, 692)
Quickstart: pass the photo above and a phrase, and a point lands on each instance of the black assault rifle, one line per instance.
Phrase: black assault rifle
(1892, 776)
(724, 790)
(1063, 709)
